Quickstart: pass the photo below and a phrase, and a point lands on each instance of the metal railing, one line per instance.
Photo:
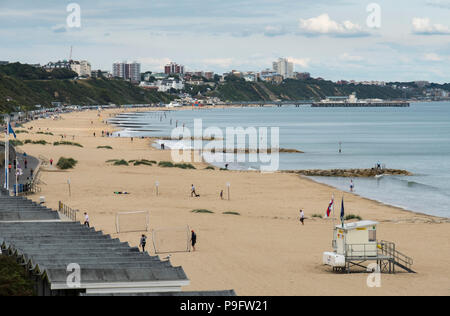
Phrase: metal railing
(383, 249)
(388, 249)
(361, 250)
(67, 211)
(26, 189)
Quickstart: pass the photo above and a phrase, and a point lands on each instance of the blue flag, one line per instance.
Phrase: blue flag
(342, 211)
(11, 131)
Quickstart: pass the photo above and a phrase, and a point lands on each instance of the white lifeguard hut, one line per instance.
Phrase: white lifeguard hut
(356, 243)
(356, 239)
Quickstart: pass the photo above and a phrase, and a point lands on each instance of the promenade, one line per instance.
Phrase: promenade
(32, 164)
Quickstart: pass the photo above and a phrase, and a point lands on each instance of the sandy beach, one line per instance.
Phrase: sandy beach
(262, 251)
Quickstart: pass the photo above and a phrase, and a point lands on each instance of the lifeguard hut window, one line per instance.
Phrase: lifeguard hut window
(372, 235)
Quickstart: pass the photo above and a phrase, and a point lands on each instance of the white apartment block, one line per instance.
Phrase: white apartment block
(164, 85)
(284, 68)
(82, 68)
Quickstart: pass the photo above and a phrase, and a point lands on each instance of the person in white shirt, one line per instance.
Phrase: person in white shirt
(193, 193)
(302, 217)
(86, 219)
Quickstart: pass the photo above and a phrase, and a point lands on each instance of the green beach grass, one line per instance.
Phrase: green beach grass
(36, 142)
(66, 143)
(66, 163)
(202, 211)
(231, 213)
(350, 217)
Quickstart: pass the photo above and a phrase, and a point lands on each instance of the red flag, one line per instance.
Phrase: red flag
(330, 207)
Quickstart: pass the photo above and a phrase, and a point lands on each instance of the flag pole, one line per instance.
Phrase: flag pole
(16, 191)
(334, 217)
(7, 155)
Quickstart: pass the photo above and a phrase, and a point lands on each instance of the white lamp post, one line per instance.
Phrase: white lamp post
(68, 183)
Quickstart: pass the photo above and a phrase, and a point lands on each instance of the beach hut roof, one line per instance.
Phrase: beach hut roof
(47, 246)
(356, 225)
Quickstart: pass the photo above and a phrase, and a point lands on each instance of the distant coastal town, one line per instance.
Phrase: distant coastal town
(178, 86)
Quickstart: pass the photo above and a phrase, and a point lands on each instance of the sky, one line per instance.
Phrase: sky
(385, 40)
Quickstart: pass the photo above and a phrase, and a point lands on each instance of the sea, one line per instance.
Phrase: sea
(416, 139)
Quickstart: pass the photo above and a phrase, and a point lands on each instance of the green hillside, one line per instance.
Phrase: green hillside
(23, 86)
(239, 90)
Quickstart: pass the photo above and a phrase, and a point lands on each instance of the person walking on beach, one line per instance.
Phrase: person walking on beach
(302, 217)
(352, 186)
(221, 195)
(51, 161)
(26, 163)
(193, 193)
(193, 240)
(86, 220)
(31, 173)
(143, 242)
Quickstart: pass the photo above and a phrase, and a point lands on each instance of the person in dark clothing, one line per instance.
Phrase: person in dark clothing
(193, 240)
(143, 242)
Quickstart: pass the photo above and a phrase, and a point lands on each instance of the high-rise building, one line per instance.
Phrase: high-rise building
(284, 68)
(127, 71)
(173, 69)
(119, 70)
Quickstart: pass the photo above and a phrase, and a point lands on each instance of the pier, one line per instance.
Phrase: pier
(268, 103)
(359, 104)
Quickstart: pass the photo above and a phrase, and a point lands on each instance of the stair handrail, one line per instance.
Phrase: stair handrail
(388, 248)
